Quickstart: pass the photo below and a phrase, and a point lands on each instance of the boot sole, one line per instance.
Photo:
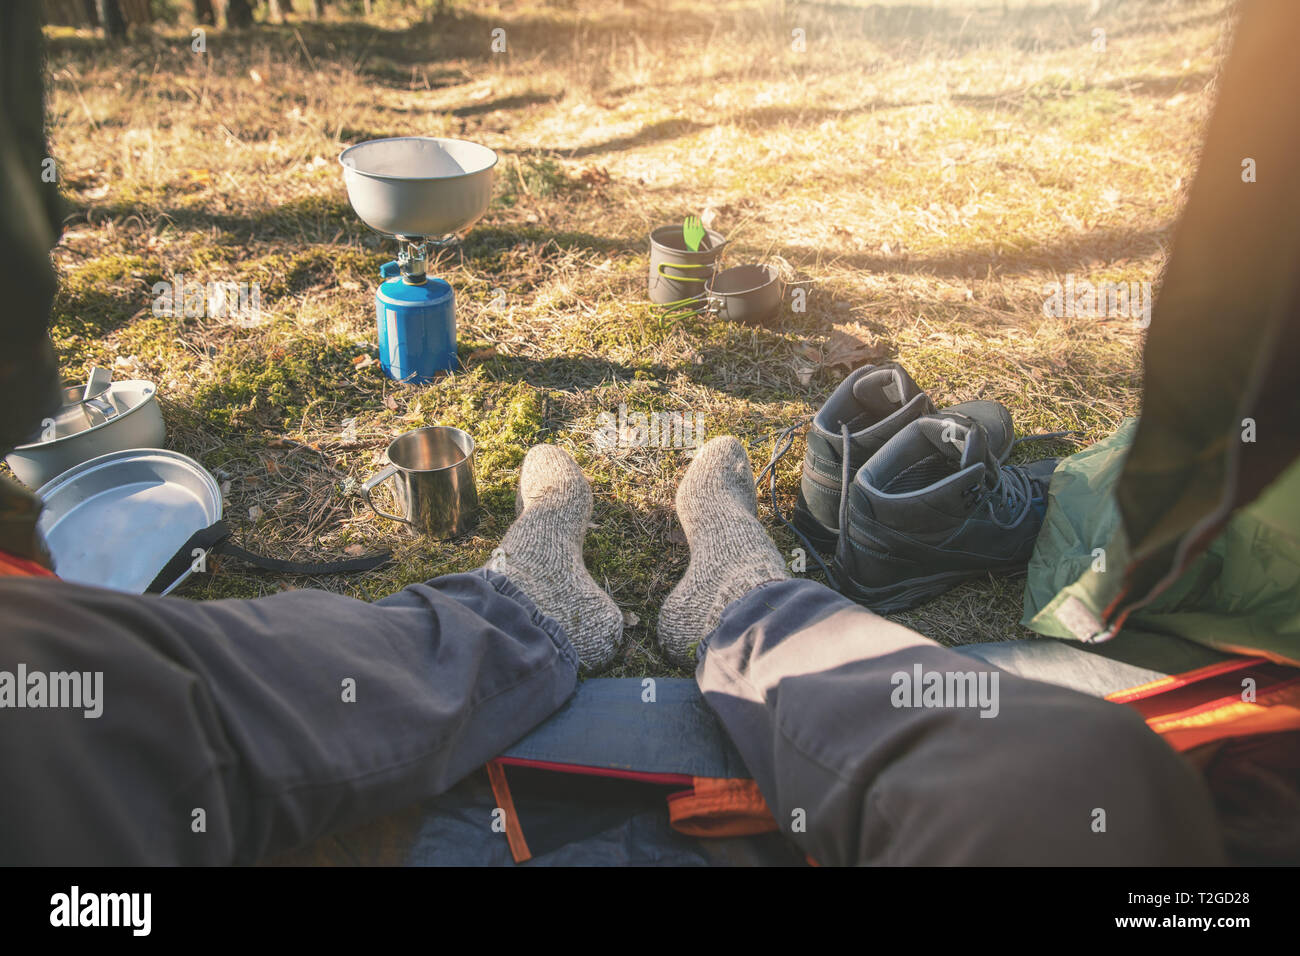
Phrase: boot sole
(822, 538)
(914, 591)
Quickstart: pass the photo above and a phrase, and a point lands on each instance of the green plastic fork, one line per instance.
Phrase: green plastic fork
(693, 233)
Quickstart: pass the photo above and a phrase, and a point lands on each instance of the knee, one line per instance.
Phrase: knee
(1056, 778)
(1107, 789)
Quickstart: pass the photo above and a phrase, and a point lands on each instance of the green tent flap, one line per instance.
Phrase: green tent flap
(1242, 595)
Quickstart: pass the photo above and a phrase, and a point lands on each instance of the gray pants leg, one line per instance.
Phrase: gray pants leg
(231, 730)
(859, 767)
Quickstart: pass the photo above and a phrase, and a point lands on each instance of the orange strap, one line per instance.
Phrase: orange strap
(716, 807)
(12, 566)
(506, 803)
(1208, 704)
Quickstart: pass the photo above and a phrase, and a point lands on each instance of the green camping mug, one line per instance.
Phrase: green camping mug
(433, 487)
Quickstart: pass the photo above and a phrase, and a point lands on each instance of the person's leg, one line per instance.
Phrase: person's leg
(225, 731)
(828, 705)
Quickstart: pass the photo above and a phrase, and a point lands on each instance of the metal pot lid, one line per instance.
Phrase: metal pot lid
(116, 520)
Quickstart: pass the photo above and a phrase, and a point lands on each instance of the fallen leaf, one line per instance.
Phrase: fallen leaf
(255, 513)
(363, 361)
(594, 176)
(354, 550)
(848, 351)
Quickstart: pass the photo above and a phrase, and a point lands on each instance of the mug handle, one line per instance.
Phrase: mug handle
(373, 483)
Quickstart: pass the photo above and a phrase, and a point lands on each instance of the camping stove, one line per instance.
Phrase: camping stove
(423, 192)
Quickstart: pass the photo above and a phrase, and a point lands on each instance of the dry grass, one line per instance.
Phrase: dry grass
(921, 169)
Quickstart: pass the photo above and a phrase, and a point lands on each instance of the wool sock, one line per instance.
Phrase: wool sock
(731, 554)
(542, 554)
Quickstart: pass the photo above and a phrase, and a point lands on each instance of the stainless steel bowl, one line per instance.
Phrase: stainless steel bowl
(418, 186)
(75, 438)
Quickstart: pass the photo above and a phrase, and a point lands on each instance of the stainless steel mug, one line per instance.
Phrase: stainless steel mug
(434, 487)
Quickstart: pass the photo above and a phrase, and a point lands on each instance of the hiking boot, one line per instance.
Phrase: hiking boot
(933, 507)
(874, 402)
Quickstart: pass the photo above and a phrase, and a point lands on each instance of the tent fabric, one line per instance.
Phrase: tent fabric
(653, 725)
(614, 778)
(654, 732)
(1241, 596)
(628, 772)
(1221, 414)
(1197, 708)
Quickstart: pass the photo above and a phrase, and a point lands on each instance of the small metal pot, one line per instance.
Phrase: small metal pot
(676, 273)
(72, 437)
(750, 294)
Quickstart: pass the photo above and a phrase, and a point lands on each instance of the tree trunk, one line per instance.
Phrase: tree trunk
(239, 14)
(204, 14)
(110, 18)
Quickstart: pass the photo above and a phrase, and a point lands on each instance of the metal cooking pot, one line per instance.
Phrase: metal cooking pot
(74, 436)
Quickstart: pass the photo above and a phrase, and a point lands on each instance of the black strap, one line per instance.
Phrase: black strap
(216, 537)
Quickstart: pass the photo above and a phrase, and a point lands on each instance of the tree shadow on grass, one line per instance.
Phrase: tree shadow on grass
(764, 117)
(1077, 252)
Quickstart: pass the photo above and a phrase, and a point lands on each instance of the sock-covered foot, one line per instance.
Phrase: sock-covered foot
(542, 554)
(730, 552)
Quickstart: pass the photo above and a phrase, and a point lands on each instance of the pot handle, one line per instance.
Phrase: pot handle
(373, 483)
(683, 265)
(681, 308)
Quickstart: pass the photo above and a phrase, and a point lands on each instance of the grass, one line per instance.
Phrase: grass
(920, 170)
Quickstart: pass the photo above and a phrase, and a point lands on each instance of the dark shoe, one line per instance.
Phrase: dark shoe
(933, 507)
(873, 403)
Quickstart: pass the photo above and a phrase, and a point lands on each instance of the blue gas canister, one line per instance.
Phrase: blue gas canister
(417, 326)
